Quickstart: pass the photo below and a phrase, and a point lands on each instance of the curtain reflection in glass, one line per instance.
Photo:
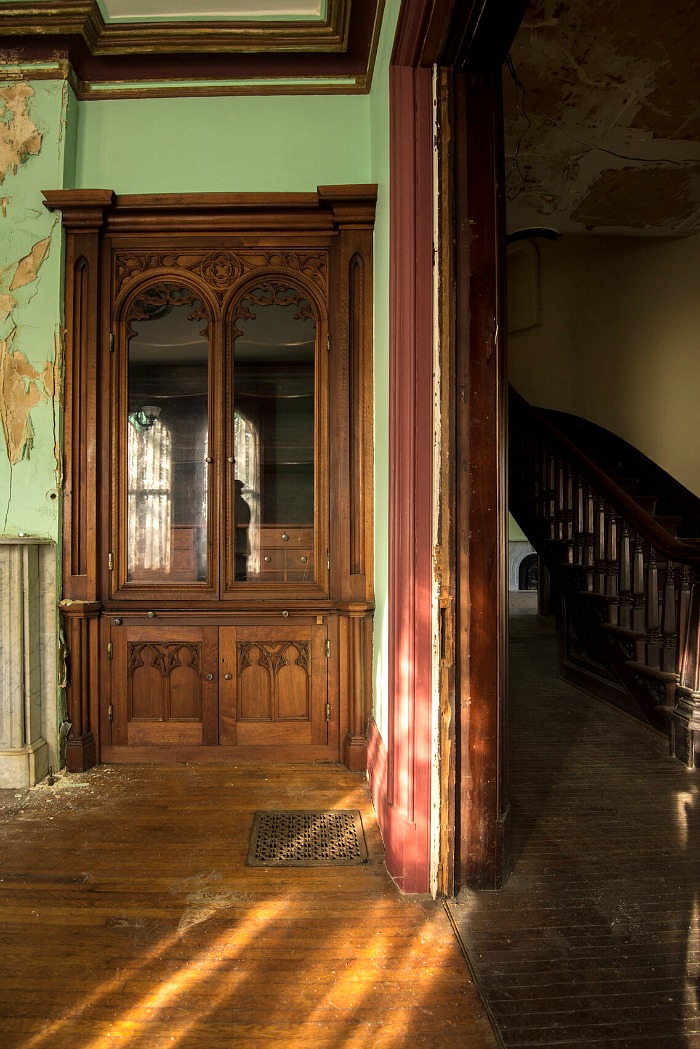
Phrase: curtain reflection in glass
(150, 499)
(168, 437)
(246, 443)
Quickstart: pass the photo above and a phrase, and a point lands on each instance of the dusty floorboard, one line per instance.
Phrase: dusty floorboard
(595, 940)
(128, 918)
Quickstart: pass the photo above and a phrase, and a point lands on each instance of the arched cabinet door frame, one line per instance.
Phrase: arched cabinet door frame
(288, 550)
(218, 246)
(121, 431)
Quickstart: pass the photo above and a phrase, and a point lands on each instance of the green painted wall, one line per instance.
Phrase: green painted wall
(36, 147)
(238, 144)
(379, 116)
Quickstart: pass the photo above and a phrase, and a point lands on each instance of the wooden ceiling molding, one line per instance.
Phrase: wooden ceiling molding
(146, 59)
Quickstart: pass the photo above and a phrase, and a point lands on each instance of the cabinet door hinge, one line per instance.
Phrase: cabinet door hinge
(328, 560)
(328, 712)
(328, 650)
(111, 342)
(328, 343)
(110, 650)
(110, 713)
(110, 562)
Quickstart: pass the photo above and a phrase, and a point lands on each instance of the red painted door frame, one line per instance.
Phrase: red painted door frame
(400, 774)
(472, 40)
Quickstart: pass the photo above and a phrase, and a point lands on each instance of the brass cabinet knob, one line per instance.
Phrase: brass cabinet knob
(285, 614)
(231, 459)
(151, 615)
(303, 559)
(208, 459)
(208, 677)
(228, 677)
(268, 558)
(118, 621)
(285, 537)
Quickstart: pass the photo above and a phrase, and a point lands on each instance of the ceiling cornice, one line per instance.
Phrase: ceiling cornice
(48, 39)
(83, 19)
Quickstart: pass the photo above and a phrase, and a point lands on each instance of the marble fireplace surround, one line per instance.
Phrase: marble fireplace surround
(28, 671)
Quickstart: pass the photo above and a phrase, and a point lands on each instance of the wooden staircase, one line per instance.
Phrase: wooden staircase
(623, 581)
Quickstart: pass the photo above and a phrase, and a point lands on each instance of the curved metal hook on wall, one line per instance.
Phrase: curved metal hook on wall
(63, 657)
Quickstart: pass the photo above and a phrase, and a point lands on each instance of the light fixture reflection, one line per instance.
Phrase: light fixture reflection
(144, 418)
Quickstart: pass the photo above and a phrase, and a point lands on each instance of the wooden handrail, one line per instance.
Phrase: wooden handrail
(678, 550)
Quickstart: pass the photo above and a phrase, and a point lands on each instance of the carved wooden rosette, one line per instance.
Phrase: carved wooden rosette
(126, 250)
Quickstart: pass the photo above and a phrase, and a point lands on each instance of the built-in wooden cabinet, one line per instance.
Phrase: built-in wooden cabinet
(218, 468)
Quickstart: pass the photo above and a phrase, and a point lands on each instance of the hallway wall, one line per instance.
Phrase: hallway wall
(617, 341)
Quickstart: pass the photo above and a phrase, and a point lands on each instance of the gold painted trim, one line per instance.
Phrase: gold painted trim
(83, 18)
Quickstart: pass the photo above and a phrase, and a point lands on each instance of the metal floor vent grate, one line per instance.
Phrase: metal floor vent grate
(307, 838)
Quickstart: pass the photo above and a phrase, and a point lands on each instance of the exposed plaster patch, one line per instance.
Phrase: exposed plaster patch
(7, 304)
(649, 197)
(19, 136)
(598, 85)
(28, 267)
(20, 391)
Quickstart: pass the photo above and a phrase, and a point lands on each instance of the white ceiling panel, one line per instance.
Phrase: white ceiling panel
(212, 10)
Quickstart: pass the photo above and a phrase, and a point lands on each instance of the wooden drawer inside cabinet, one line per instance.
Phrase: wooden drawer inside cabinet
(286, 554)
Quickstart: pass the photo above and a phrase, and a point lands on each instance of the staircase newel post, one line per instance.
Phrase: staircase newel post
(669, 625)
(683, 614)
(685, 719)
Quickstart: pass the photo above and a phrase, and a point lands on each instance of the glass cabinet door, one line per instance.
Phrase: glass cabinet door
(167, 428)
(273, 414)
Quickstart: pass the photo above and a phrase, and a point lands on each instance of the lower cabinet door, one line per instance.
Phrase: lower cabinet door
(164, 681)
(273, 685)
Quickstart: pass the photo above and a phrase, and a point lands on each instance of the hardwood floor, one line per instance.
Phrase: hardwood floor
(595, 940)
(128, 918)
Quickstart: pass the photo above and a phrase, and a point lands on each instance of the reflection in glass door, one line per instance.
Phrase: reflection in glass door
(167, 437)
(274, 378)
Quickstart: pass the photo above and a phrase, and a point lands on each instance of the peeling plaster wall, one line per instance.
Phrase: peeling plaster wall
(618, 342)
(37, 144)
(35, 154)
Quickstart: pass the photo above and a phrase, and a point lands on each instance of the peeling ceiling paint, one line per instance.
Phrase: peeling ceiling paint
(602, 117)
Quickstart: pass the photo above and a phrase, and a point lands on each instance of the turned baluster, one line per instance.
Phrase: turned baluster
(625, 579)
(669, 612)
(578, 523)
(559, 497)
(589, 535)
(550, 494)
(568, 535)
(612, 567)
(599, 547)
(638, 597)
(542, 485)
(653, 623)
